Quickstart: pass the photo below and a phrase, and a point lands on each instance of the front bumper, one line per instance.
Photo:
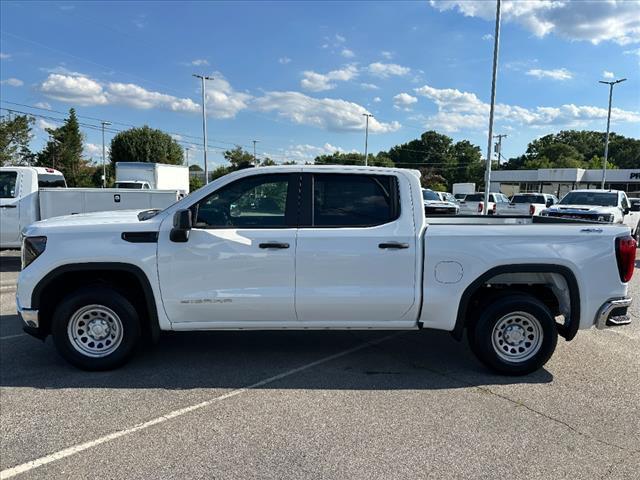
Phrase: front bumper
(614, 313)
(31, 320)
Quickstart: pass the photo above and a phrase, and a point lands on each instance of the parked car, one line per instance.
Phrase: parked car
(527, 204)
(29, 194)
(434, 205)
(609, 206)
(347, 248)
(473, 204)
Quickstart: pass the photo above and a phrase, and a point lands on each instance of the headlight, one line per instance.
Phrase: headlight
(32, 248)
(605, 218)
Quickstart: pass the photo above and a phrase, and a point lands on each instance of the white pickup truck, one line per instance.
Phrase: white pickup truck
(611, 206)
(320, 247)
(29, 194)
(527, 204)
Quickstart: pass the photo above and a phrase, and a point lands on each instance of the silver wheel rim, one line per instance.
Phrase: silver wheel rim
(95, 331)
(517, 337)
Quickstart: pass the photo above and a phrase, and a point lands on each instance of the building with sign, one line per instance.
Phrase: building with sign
(559, 181)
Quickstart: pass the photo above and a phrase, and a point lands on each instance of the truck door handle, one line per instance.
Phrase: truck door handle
(393, 245)
(273, 245)
(7, 206)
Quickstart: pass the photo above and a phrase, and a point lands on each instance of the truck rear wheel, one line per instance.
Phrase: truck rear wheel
(514, 335)
(95, 328)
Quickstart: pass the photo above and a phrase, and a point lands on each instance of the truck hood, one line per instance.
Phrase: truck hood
(120, 220)
(582, 209)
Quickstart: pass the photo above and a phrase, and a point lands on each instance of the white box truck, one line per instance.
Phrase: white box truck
(152, 176)
(30, 194)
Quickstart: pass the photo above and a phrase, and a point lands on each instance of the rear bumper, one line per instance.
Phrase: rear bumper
(614, 313)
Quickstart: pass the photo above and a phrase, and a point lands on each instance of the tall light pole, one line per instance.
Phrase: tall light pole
(496, 44)
(187, 150)
(366, 139)
(606, 139)
(104, 161)
(204, 123)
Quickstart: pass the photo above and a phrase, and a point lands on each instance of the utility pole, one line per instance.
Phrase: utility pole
(187, 150)
(255, 160)
(204, 123)
(606, 140)
(499, 145)
(366, 139)
(104, 161)
(496, 44)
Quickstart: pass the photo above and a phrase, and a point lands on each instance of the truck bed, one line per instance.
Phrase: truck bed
(56, 202)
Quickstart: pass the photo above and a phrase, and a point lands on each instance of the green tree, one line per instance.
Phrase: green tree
(239, 158)
(267, 162)
(64, 151)
(15, 135)
(340, 158)
(145, 144)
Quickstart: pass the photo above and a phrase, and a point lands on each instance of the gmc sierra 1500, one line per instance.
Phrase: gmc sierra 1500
(320, 247)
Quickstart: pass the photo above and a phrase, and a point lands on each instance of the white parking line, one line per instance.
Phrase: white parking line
(67, 452)
(8, 337)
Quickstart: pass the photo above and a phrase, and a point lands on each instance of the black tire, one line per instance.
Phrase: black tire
(534, 333)
(96, 299)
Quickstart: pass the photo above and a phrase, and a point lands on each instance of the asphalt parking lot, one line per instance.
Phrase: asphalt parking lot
(318, 405)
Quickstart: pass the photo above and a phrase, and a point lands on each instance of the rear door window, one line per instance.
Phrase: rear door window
(46, 180)
(346, 200)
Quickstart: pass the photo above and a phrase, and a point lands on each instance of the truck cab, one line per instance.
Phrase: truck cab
(19, 201)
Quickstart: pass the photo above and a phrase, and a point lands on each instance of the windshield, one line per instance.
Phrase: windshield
(604, 199)
(430, 195)
(130, 185)
(528, 199)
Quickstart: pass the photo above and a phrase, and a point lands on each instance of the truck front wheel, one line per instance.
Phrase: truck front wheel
(95, 328)
(514, 335)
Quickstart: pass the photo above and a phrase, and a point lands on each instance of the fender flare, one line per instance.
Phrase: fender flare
(136, 271)
(567, 330)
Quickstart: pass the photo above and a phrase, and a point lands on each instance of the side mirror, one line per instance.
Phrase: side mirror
(182, 224)
(626, 210)
(549, 202)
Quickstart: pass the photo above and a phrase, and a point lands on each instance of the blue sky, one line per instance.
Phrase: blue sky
(298, 76)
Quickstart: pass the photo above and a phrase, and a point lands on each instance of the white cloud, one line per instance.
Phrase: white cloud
(597, 21)
(370, 86)
(346, 53)
(74, 89)
(635, 51)
(44, 105)
(43, 124)
(555, 74)
(284, 60)
(138, 97)
(326, 113)
(464, 110)
(608, 75)
(176, 137)
(222, 100)
(487, 36)
(386, 54)
(12, 82)
(5, 56)
(318, 82)
(404, 99)
(304, 153)
(385, 70)
(199, 62)
(93, 150)
(377, 99)
(340, 38)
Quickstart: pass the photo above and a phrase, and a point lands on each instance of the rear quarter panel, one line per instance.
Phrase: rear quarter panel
(468, 251)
